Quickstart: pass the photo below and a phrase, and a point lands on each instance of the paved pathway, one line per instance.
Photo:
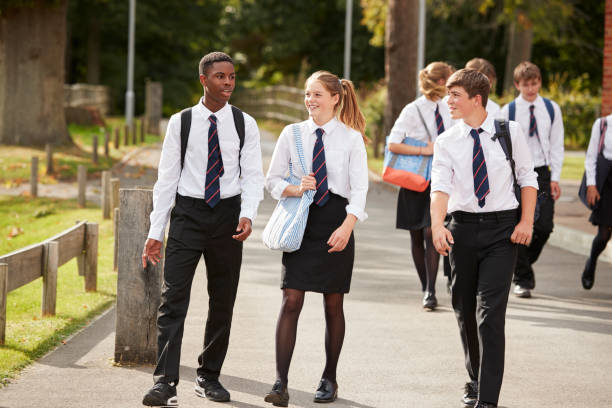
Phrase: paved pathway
(395, 355)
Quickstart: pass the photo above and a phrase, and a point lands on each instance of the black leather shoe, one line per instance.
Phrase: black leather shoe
(484, 405)
(326, 392)
(211, 389)
(470, 394)
(278, 395)
(161, 395)
(429, 301)
(588, 275)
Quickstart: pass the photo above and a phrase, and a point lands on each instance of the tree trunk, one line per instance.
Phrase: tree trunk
(520, 41)
(32, 42)
(93, 51)
(401, 49)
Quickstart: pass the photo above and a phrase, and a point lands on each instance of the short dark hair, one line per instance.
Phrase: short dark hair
(526, 71)
(474, 82)
(210, 58)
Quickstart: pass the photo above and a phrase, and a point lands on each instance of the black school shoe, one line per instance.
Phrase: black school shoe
(588, 275)
(161, 395)
(326, 392)
(470, 394)
(211, 389)
(278, 395)
(484, 405)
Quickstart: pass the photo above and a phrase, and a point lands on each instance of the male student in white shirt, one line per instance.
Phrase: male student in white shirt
(473, 181)
(542, 124)
(210, 168)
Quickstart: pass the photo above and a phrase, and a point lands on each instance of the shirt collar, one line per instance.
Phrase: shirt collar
(522, 100)
(488, 126)
(428, 104)
(220, 114)
(327, 128)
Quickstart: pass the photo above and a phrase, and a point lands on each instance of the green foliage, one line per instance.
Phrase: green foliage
(374, 18)
(373, 107)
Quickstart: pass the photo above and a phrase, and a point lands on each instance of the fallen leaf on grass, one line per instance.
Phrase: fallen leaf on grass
(14, 231)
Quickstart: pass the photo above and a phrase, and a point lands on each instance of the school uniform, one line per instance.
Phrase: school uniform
(482, 258)
(203, 217)
(413, 206)
(312, 268)
(598, 168)
(545, 141)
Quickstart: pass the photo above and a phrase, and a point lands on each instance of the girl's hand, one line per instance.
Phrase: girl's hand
(339, 238)
(308, 183)
(592, 195)
(428, 150)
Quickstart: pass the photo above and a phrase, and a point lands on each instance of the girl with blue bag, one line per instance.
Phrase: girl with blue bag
(326, 153)
(414, 133)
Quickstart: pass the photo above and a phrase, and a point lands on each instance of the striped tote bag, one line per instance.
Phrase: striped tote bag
(285, 229)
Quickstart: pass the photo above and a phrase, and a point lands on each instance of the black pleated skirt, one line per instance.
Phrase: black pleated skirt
(413, 209)
(312, 268)
(602, 214)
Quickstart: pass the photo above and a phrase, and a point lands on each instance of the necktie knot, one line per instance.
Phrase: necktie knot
(213, 119)
(475, 133)
(319, 133)
(531, 108)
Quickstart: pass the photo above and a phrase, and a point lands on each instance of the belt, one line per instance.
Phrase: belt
(201, 201)
(494, 216)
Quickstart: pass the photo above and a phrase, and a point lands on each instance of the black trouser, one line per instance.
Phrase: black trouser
(542, 227)
(482, 260)
(196, 230)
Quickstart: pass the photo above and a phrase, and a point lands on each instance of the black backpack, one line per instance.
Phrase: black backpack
(186, 126)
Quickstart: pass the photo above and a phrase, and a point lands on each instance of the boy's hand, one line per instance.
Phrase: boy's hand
(442, 239)
(522, 233)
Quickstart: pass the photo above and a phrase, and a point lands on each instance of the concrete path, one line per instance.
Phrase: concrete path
(395, 355)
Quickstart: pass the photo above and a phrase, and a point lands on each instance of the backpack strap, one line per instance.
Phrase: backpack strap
(550, 109)
(185, 128)
(511, 111)
(603, 126)
(502, 132)
(239, 124)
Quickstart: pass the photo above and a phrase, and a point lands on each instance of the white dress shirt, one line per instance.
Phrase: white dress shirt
(493, 108)
(451, 171)
(345, 160)
(547, 150)
(590, 163)
(409, 124)
(246, 178)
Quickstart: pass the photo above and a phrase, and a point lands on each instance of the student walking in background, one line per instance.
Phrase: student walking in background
(423, 119)
(542, 124)
(333, 139)
(484, 66)
(598, 168)
(486, 227)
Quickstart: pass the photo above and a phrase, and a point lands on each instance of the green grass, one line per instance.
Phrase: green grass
(15, 160)
(29, 335)
(272, 126)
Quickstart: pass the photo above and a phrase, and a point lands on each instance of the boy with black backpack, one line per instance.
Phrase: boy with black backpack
(210, 169)
(542, 123)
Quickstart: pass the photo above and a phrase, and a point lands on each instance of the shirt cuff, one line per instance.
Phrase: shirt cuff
(248, 210)
(555, 176)
(277, 191)
(441, 188)
(590, 180)
(360, 214)
(156, 233)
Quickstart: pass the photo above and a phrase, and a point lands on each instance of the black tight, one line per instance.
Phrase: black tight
(599, 242)
(425, 258)
(286, 330)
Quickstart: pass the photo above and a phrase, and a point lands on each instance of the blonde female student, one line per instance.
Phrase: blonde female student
(333, 140)
(423, 119)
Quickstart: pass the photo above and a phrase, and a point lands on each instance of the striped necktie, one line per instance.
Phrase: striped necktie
(479, 169)
(320, 170)
(439, 121)
(533, 127)
(214, 168)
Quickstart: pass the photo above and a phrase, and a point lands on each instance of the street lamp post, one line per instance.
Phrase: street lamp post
(348, 28)
(129, 93)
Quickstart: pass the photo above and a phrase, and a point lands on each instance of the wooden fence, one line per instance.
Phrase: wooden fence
(278, 102)
(43, 259)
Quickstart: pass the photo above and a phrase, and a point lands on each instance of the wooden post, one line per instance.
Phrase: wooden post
(94, 149)
(81, 257)
(49, 292)
(138, 289)
(134, 133)
(106, 195)
(114, 196)
(142, 130)
(49, 154)
(115, 237)
(116, 138)
(106, 141)
(126, 135)
(34, 177)
(82, 182)
(91, 257)
(3, 295)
